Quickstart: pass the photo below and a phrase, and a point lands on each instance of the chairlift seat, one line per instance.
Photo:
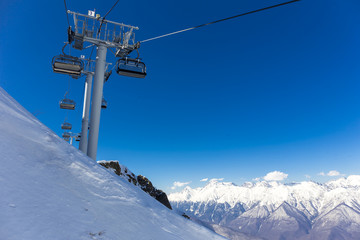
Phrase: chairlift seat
(66, 135)
(66, 126)
(131, 68)
(67, 65)
(67, 104)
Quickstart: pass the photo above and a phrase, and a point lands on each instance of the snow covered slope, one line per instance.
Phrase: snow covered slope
(272, 210)
(50, 190)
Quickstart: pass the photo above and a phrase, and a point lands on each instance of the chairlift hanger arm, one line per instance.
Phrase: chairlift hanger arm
(220, 20)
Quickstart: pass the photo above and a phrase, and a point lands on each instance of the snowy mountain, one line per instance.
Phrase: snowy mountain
(272, 210)
(50, 190)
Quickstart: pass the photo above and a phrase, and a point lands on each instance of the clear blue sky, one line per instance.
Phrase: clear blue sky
(276, 90)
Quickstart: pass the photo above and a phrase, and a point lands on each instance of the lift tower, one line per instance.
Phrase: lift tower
(103, 34)
(88, 71)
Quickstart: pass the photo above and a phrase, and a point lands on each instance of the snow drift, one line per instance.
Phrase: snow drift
(50, 190)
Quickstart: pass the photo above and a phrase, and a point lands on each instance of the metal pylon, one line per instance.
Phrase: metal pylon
(104, 34)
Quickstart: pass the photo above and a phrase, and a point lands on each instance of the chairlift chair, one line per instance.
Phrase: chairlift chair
(131, 68)
(66, 136)
(66, 126)
(66, 64)
(67, 104)
(103, 103)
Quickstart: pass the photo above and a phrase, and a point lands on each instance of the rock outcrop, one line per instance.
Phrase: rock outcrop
(140, 181)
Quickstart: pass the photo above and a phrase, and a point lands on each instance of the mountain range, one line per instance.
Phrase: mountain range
(273, 210)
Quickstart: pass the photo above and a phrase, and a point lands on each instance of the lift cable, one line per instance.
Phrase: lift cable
(221, 20)
(67, 14)
(103, 19)
(92, 50)
(111, 9)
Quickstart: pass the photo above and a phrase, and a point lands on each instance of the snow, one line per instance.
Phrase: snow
(273, 193)
(273, 210)
(50, 190)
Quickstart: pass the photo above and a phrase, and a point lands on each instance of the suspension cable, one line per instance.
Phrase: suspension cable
(67, 14)
(92, 50)
(220, 20)
(103, 19)
(111, 9)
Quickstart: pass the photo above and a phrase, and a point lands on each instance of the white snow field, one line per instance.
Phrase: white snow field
(50, 190)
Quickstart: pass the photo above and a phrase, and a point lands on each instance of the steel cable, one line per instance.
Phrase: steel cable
(220, 20)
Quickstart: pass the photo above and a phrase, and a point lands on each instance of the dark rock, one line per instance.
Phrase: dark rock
(159, 195)
(112, 164)
(115, 166)
(141, 181)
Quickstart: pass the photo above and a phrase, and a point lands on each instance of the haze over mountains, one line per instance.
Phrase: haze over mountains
(272, 210)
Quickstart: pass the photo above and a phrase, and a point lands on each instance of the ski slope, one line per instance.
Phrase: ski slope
(50, 190)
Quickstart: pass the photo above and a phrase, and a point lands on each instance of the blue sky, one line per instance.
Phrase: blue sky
(272, 91)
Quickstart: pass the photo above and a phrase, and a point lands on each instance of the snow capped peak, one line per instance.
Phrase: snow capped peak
(268, 184)
(352, 181)
(187, 189)
(309, 194)
(270, 208)
(215, 180)
(248, 184)
(218, 182)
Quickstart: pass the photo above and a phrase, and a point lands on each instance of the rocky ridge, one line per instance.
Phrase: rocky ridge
(139, 180)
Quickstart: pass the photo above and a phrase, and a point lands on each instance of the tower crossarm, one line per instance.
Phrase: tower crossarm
(97, 30)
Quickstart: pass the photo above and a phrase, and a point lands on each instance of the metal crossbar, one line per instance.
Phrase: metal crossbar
(118, 35)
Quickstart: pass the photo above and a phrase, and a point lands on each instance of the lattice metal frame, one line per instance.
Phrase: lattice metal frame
(111, 34)
(89, 66)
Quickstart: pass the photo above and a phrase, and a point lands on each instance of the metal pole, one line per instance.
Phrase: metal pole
(96, 101)
(83, 145)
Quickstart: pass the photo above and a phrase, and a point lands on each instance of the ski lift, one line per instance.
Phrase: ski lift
(66, 136)
(66, 126)
(67, 104)
(103, 103)
(131, 68)
(67, 65)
